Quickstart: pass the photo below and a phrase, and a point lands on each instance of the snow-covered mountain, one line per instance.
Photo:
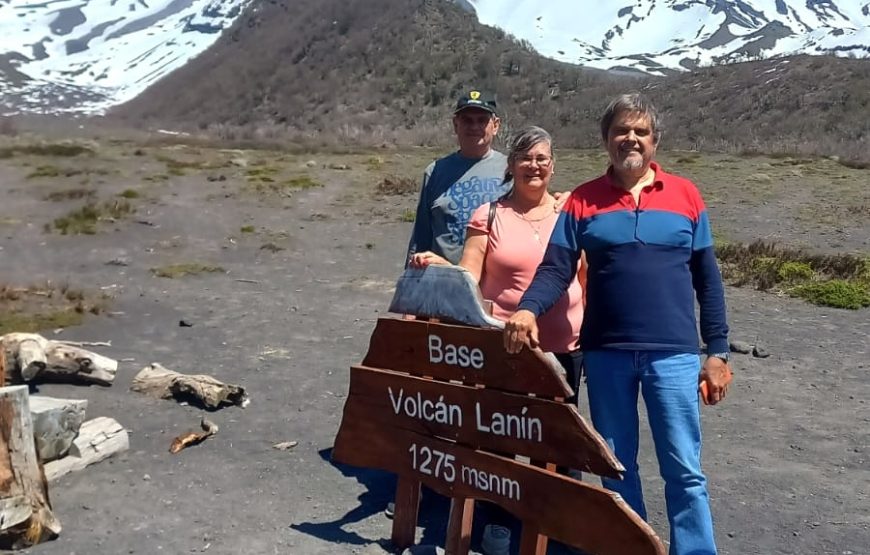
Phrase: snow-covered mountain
(658, 36)
(86, 55)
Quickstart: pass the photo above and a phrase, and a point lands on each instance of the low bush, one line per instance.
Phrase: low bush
(837, 293)
(395, 185)
(50, 149)
(408, 216)
(70, 194)
(183, 269)
(84, 220)
(838, 280)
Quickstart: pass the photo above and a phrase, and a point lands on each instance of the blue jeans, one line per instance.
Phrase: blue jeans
(669, 382)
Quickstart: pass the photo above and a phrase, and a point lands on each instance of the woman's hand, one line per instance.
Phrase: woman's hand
(423, 259)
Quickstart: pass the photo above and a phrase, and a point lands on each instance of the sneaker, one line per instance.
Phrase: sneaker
(496, 540)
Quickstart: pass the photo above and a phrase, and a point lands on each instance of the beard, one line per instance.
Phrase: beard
(633, 163)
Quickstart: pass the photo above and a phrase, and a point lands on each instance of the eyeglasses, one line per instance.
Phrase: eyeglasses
(542, 161)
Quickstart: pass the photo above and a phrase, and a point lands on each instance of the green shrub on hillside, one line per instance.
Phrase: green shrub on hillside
(837, 293)
(794, 271)
(839, 280)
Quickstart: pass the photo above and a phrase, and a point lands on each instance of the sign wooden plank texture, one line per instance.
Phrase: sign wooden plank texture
(577, 513)
(439, 404)
(480, 418)
(465, 354)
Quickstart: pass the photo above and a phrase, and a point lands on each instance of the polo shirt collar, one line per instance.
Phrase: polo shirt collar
(658, 180)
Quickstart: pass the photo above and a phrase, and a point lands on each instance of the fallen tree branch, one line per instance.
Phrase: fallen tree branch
(85, 343)
(209, 429)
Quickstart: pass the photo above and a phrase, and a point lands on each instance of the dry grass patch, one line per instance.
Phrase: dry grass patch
(70, 194)
(36, 308)
(129, 194)
(271, 247)
(395, 185)
(84, 220)
(302, 182)
(48, 149)
(50, 171)
(266, 183)
(175, 166)
(173, 271)
(263, 174)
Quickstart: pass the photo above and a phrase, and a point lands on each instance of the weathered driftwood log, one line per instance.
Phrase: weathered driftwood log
(25, 510)
(56, 423)
(161, 382)
(37, 357)
(98, 440)
(31, 357)
(79, 365)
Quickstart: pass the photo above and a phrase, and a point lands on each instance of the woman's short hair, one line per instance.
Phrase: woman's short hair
(632, 103)
(522, 142)
(525, 139)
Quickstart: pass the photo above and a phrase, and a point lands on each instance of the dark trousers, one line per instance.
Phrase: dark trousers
(573, 364)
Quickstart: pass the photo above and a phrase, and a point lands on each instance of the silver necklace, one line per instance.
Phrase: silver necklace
(536, 230)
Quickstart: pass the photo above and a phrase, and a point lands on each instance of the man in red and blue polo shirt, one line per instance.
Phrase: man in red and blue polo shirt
(650, 252)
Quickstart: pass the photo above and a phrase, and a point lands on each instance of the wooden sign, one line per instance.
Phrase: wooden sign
(576, 513)
(465, 354)
(446, 406)
(480, 418)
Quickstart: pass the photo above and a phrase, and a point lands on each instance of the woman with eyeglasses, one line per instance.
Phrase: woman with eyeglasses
(506, 241)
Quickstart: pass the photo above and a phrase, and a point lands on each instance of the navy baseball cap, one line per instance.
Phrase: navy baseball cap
(477, 99)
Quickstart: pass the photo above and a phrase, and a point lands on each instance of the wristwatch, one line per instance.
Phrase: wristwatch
(723, 356)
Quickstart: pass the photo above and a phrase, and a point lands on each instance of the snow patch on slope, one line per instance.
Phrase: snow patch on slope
(664, 36)
(107, 50)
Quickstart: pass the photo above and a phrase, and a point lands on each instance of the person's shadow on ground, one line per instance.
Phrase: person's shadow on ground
(380, 489)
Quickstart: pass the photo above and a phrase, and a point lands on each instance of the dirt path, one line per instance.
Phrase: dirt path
(786, 455)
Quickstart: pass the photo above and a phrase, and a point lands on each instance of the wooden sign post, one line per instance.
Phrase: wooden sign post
(446, 406)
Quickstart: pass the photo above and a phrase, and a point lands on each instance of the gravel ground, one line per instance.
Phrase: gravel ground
(786, 455)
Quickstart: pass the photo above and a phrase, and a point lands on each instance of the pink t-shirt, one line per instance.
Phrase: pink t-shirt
(513, 256)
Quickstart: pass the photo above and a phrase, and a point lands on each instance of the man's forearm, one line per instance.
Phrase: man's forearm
(711, 297)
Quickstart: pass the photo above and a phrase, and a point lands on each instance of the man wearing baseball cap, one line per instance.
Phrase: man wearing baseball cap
(454, 186)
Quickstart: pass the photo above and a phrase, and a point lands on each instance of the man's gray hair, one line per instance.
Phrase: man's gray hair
(632, 103)
(525, 139)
